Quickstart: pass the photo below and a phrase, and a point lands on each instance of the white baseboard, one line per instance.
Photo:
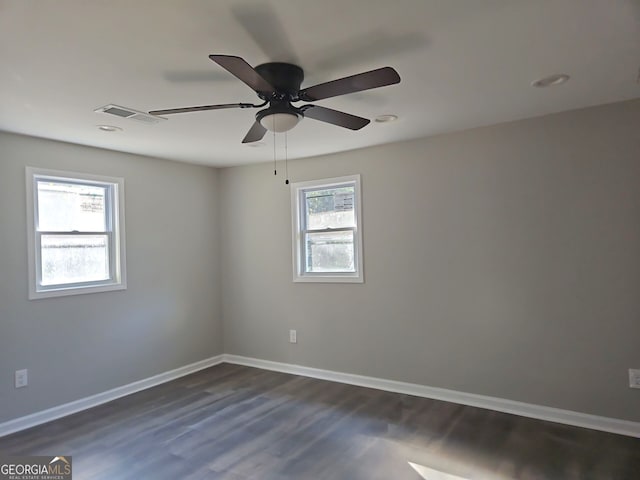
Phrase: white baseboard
(44, 416)
(567, 417)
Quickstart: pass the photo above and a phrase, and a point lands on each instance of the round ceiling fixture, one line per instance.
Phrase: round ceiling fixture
(386, 118)
(551, 80)
(109, 128)
(278, 121)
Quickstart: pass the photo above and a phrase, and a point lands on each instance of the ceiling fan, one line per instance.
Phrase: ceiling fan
(278, 85)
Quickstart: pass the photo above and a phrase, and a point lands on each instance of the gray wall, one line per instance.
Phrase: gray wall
(167, 318)
(502, 261)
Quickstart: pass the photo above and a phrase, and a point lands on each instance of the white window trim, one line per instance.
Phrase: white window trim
(118, 256)
(296, 222)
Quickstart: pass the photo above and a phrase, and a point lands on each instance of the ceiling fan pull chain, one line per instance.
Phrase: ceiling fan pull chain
(286, 160)
(275, 171)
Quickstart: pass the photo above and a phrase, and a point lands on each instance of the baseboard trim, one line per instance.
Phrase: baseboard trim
(44, 416)
(540, 412)
(567, 417)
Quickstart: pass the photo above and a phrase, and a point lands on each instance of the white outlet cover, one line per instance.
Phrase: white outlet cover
(293, 336)
(21, 378)
(634, 378)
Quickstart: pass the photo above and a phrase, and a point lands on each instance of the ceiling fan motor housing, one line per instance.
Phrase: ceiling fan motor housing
(285, 77)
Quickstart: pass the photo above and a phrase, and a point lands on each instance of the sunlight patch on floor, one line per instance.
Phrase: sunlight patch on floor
(431, 474)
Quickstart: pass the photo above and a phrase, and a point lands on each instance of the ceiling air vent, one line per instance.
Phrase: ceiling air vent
(130, 113)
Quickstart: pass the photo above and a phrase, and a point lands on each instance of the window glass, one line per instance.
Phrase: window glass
(73, 259)
(330, 208)
(329, 252)
(67, 207)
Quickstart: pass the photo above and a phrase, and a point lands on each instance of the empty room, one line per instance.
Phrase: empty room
(348, 239)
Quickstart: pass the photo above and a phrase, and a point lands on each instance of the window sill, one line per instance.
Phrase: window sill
(64, 292)
(329, 278)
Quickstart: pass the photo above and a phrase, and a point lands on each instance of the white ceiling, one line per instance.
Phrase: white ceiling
(463, 63)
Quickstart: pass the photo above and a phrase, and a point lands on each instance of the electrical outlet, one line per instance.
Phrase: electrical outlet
(634, 378)
(293, 336)
(22, 378)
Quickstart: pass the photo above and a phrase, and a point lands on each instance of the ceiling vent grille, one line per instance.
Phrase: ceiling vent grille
(129, 113)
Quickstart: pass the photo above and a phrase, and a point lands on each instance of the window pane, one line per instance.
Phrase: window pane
(74, 258)
(329, 252)
(330, 208)
(65, 207)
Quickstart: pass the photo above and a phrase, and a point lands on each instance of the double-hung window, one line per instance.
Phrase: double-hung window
(327, 233)
(76, 233)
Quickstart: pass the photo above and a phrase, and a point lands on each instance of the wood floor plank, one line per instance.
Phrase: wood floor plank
(237, 423)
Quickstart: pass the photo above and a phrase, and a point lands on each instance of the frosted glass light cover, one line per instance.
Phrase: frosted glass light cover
(279, 122)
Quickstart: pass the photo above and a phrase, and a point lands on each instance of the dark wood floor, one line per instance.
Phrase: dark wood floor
(233, 422)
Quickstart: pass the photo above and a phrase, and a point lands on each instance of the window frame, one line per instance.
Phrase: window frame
(298, 217)
(114, 231)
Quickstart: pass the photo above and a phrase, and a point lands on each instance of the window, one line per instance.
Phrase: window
(76, 233)
(327, 234)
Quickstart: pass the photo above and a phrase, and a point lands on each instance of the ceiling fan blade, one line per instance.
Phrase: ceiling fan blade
(255, 133)
(243, 71)
(335, 117)
(200, 108)
(355, 83)
(262, 24)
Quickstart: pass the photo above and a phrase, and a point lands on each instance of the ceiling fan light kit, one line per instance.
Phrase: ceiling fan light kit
(278, 122)
(278, 85)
